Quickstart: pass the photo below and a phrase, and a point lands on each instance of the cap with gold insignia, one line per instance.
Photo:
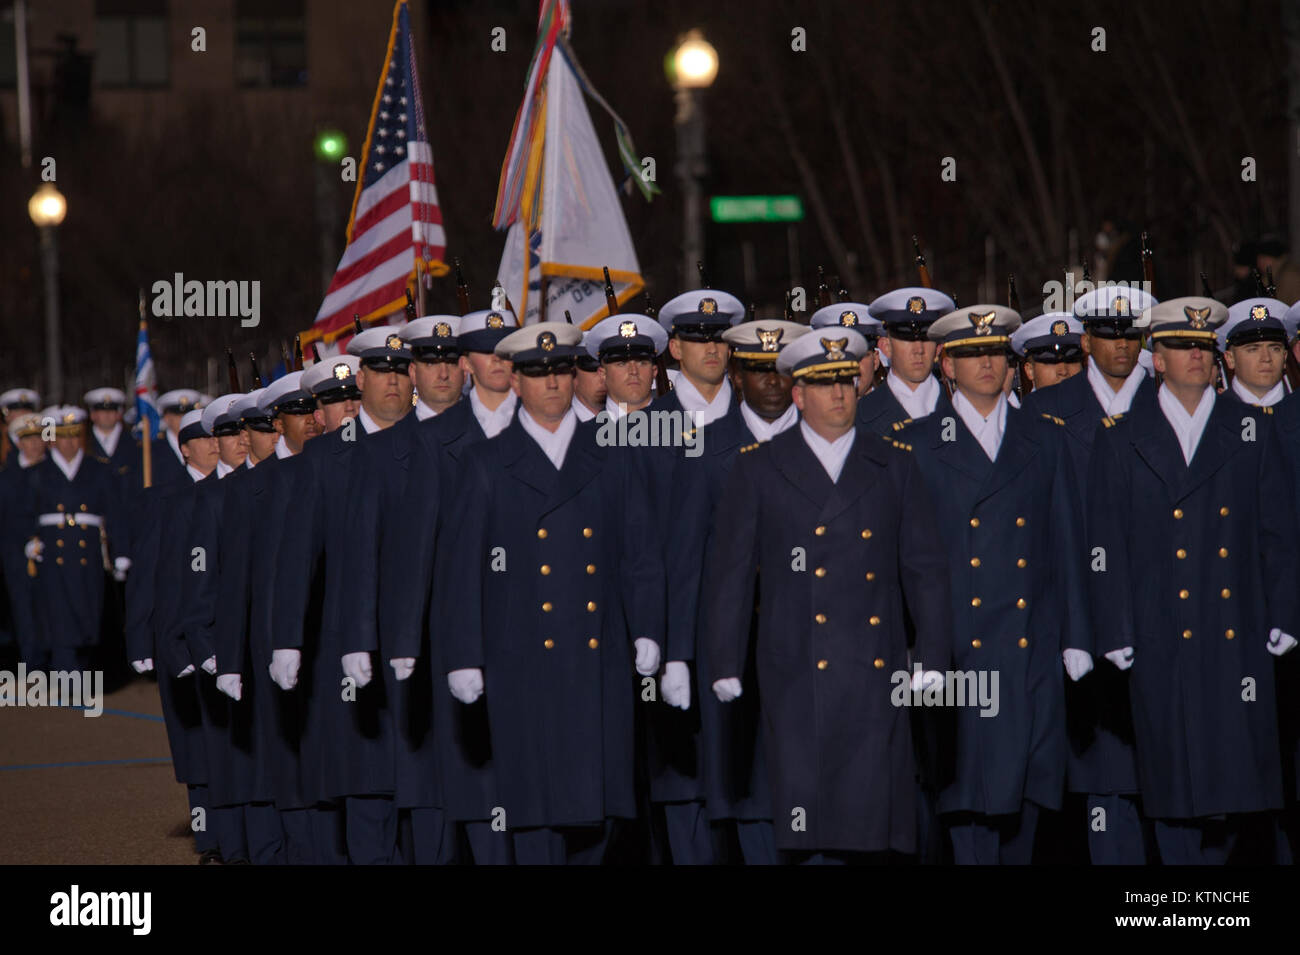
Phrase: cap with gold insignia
(908, 312)
(483, 331)
(381, 348)
(542, 348)
(976, 326)
(105, 399)
(192, 427)
(69, 420)
(1190, 319)
(825, 354)
(24, 424)
(1114, 311)
(433, 337)
(849, 315)
(1050, 338)
(625, 337)
(19, 399)
(701, 315)
(217, 419)
(1258, 320)
(761, 342)
(179, 401)
(286, 395)
(250, 413)
(332, 380)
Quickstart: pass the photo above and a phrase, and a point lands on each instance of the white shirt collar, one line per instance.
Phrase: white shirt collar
(1115, 402)
(423, 412)
(1188, 427)
(1013, 399)
(706, 412)
(493, 422)
(554, 444)
(1275, 394)
(195, 474)
(176, 445)
(223, 469)
(25, 462)
(108, 439)
(764, 430)
(249, 462)
(918, 403)
(612, 407)
(282, 448)
(69, 468)
(367, 422)
(987, 431)
(831, 454)
(582, 411)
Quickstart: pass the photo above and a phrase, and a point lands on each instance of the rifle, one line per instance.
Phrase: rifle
(611, 300)
(567, 317)
(787, 314)
(1087, 273)
(315, 352)
(356, 323)
(704, 280)
(1259, 282)
(1148, 265)
(234, 373)
(843, 293)
(297, 351)
(921, 270)
(257, 375)
(462, 289)
(284, 356)
(1269, 288)
(749, 313)
(649, 306)
(411, 312)
(823, 290)
(1205, 287)
(1013, 297)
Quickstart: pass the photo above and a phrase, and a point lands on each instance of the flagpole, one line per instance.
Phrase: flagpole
(145, 425)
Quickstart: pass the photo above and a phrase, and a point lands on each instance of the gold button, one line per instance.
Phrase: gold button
(83, 562)
(820, 618)
(866, 533)
(587, 532)
(871, 575)
(1223, 512)
(976, 643)
(593, 643)
(58, 507)
(820, 571)
(880, 664)
(546, 569)
(1180, 554)
(974, 561)
(546, 607)
(1182, 594)
(1187, 634)
(1022, 562)
(59, 542)
(1178, 513)
(874, 621)
(974, 522)
(541, 533)
(1223, 552)
(975, 602)
(548, 643)
(1230, 633)
(819, 530)
(591, 568)
(1022, 643)
(1225, 593)
(1021, 603)
(591, 606)
(1020, 522)
(58, 560)
(822, 664)
(81, 543)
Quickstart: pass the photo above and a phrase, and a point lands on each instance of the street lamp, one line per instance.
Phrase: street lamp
(47, 207)
(330, 146)
(691, 67)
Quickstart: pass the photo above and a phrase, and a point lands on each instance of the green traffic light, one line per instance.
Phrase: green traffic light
(330, 145)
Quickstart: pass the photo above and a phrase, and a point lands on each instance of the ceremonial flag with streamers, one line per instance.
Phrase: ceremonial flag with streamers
(396, 224)
(146, 386)
(556, 196)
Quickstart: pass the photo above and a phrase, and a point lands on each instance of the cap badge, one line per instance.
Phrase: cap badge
(1059, 327)
(1196, 316)
(442, 330)
(546, 341)
(916, 305)
(1259, 312)
(495, 321)
(342, 371)
(770, 338)
(708, 306)
(393, 341)
(834, 348)
(849, 319)
(983, 323)
(627, 329)
(1120, 306)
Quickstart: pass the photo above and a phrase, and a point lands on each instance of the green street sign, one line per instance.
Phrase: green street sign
(756, 208)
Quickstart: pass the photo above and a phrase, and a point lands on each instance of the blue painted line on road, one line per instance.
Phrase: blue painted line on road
(93, 762)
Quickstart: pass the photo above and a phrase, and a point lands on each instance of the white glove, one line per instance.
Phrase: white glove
(403, 667)
(466, 685)
(676, 684)
(210, 664)
(1279, 642)
(231, 684)
(357, 667)
(1078, 663)
(647, 656)
(120, 566)
(1121, 658)
(924, 679)
(186, 672)
(727, 689)
(142, 666)
(33, 549)
(284, 668)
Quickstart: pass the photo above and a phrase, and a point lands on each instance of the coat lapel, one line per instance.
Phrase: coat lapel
(796, 461)
(1158, 446)
(861, 468)
(1014, 454)
(964, 454)
(1222, 435)
(581, 465)
(525, 460)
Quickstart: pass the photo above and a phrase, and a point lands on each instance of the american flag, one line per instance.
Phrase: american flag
(395, 222)
(146, 390)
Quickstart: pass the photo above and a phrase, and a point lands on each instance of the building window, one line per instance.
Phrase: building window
(270, 43)
(131, 43)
